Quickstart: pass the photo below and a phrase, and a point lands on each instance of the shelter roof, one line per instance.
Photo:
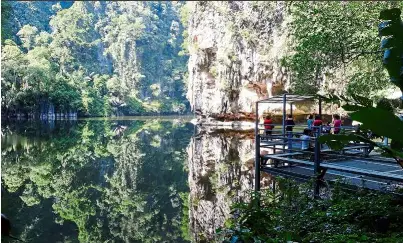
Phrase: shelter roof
(289, 99)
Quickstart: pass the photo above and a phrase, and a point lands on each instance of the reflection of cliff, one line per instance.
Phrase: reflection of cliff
(220, 173)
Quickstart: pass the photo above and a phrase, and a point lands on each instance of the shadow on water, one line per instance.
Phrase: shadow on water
(146, 180)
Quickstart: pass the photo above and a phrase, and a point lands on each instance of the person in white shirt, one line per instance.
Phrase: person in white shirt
(306, 140)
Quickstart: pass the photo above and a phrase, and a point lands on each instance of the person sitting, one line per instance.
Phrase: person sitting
(306, 140)
(326, 129)
(268, 125)
(336, 124)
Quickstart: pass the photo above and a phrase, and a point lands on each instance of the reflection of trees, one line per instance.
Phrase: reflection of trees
(116, 188)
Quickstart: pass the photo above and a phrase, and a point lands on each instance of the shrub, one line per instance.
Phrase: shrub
(292, 214)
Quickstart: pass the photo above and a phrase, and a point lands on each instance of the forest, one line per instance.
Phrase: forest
(92, 58)
(132, 58)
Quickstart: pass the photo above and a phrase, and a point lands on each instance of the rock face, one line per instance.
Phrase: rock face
(235, 51)
(220, 173)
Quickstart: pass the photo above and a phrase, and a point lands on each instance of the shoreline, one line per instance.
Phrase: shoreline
(233, 125)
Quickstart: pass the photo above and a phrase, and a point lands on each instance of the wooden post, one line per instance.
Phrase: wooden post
(257, 163)
(317, 162)
(284, 112)
(257, 150)
(284, 118)
(257, 118)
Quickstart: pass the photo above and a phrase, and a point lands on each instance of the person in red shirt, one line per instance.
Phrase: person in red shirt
(316, 123)
(336, 124)
(268, 125)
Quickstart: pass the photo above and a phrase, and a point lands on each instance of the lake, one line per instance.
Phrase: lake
(122, 180)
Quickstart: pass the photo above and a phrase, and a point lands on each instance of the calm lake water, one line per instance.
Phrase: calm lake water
(111, 180)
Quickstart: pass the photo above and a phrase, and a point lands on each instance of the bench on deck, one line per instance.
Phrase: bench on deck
(365, 172)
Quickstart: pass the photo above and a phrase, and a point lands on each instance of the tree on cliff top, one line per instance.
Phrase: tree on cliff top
(335, 46)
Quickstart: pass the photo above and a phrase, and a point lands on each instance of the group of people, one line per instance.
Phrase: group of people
(312, 124)
(268, 124)
(308, 132)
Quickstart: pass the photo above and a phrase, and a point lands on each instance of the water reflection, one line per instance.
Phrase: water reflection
(95, 181)
(143, 180)
(221, 172)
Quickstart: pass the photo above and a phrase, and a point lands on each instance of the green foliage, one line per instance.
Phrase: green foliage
(107, 58)
(184, 13)
(185, 216)
(27, 36)
(392, 30)
(336, 39)
(6, 10)
(379, 120)
(135, 106)
(292, 214)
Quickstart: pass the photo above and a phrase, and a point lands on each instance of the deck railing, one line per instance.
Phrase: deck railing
(278, 140)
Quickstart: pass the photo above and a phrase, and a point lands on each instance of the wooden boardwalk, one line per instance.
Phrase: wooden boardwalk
(278, 151)
(372, 182)
(350, 167)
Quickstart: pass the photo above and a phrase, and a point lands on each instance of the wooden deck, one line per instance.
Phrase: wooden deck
(350, 166)
(278, 151)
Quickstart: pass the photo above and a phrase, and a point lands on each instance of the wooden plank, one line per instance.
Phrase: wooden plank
(271, 144)
(355, 147)
(378, 174)
(288, 154)
(285, 154)
(383, 175)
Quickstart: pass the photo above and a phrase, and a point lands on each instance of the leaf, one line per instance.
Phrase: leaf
(337, 142)
(362, 100)
(349, 107)
(381, 122)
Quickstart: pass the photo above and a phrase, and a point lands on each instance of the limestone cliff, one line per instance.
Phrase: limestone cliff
(235, 51)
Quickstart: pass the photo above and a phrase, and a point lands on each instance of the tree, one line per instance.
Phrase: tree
(107, 55)
(27, 35)
(379, 120)
(6, 10)
(332, 43)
